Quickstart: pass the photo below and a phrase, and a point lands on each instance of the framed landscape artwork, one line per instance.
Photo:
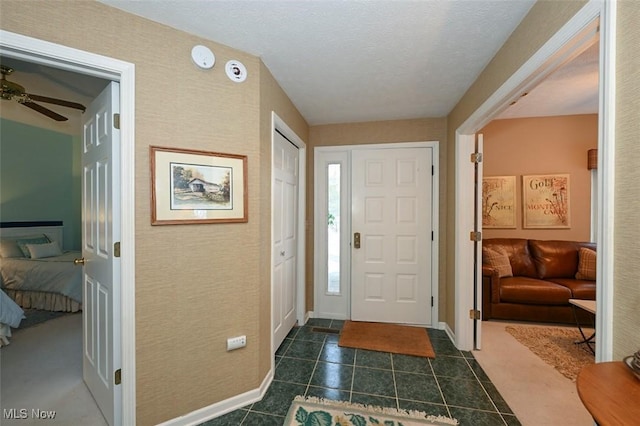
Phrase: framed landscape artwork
(499, 202)
(190, 186)
(545, 201)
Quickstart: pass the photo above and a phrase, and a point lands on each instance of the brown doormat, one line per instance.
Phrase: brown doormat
(397, 339)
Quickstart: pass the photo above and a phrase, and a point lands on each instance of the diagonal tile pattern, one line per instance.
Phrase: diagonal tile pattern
(311, 363)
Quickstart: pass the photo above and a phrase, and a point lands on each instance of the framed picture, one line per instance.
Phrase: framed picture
(189, 186)
(499, 202)
(545, 201)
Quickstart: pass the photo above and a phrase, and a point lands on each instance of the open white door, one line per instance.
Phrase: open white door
(392, 225)
(285, 236)
(100, 250)
(477, 227)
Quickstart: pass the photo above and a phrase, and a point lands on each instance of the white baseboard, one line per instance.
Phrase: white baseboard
(449, 331)
(223, 407)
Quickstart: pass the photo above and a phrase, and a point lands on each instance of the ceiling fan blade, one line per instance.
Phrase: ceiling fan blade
(55, 101)
(45, 111)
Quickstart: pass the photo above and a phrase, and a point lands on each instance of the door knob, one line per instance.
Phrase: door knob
(79, 261)
(282, 253)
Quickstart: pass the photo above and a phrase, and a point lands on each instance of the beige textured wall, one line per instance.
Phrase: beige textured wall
(544, 145)
(426, 129)
(190, 293)
(626, 337)
(272, 98)
(543, 20)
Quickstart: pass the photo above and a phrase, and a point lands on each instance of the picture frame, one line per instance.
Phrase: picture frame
(499, 202)
(545, 201)
(192, 186)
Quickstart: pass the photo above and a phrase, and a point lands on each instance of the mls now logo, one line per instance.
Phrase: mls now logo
(15, 413)
(23, 413)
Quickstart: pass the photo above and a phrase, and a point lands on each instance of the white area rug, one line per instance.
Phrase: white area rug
(323, 412)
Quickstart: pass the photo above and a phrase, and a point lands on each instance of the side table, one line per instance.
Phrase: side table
(610, 392)
(589, 306)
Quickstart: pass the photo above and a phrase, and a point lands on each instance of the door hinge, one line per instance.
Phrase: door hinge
(116, 249)
(475, 236)
(433, 170)
(117, 379)
(116, 121)
(431, 235)
(476, 157)
(474, 314)
(431, 301)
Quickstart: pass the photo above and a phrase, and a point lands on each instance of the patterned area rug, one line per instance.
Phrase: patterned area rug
(555, 346)
(397, 339)
(323, 412)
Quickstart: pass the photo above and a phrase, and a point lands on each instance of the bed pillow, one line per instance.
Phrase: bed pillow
(498, 260)
(586, 264)
(9, 248)
(22, 243)
(38, 251)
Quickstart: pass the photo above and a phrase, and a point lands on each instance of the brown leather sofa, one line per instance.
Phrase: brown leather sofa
(543, 281)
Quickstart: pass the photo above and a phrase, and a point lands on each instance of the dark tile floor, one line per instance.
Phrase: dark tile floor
(311, 363)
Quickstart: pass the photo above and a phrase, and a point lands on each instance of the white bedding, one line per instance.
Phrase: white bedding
(10, 316)
(55, 274)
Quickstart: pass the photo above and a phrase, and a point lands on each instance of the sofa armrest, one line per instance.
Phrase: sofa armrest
(491, 290)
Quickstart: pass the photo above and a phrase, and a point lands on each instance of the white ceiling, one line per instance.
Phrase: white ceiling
(353, 61)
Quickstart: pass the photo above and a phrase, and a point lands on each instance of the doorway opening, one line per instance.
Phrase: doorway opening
(54, 55)
(571, 38)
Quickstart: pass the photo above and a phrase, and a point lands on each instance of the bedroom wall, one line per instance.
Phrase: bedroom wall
(39, 179)
(544, 145)
(190, 294)
(417, 130)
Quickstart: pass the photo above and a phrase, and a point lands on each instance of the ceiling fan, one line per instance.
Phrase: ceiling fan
(13, 91)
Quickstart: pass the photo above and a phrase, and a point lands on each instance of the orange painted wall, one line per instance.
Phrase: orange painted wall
(543, 145)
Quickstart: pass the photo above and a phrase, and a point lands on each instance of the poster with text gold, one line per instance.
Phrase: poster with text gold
(499, 202)
(545, 201)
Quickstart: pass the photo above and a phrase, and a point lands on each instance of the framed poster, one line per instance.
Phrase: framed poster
(545, 201)
(189, 186)
(499, 202)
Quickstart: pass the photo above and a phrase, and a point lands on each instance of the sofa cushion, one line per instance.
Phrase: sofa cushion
(498, 260)
(518, 251)
(580, 289)
(586, 264)
(556, 259)
(532, 291)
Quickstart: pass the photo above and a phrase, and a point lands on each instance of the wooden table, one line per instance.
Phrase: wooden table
(611, 393)
(589, 306)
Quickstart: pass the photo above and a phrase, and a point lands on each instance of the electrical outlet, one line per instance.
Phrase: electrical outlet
(236, 342)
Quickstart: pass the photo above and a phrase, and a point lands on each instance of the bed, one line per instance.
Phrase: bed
(10, 316)
(34, 271)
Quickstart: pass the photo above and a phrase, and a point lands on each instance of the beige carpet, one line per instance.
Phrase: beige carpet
(555, 346)
(397, 339)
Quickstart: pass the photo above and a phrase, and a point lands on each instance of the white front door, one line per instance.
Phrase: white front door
(392, 218)
(100, 232)
(285, 236)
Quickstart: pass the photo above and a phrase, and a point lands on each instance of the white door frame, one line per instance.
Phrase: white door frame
(321, 246)
(43, 52)
(278, 124)
(566, 42)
